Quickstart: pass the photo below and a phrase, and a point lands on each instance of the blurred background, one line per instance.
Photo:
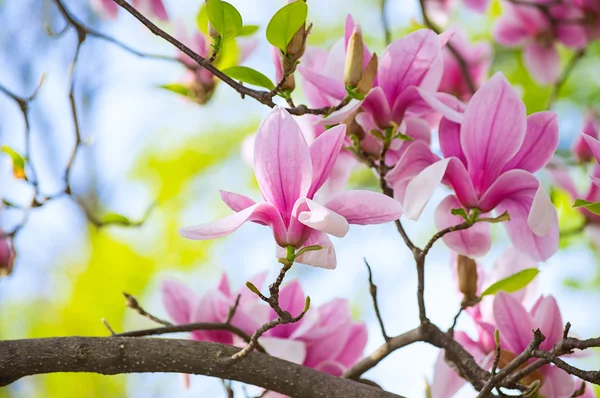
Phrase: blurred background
(145, 145)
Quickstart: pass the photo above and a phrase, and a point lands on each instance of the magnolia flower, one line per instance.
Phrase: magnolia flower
(326, 339)
(515, 325)
(489, 161)
(594, 145)
(409, 73)
(478, 59)
(7, 255)
(528, 27)
(591, 126)
(185, 306)
(591, 13)
(154, 8)
(289, 174)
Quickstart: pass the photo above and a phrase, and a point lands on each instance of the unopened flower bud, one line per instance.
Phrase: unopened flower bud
(354, 59)
(211, 31)
(368, 78)
(467, 276)
(7, 256)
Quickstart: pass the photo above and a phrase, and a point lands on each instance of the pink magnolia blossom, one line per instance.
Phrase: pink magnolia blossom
(591, 13)
(409, 73)
(516, 326)
(185, 306)
(326, 339)
(529, 28)
(591, 126)
(289, 174)
(488, 162)
(594, 145)
(478, 58)
(151, 8)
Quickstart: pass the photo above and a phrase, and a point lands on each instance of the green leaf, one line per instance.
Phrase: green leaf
(247, 30)
(594, 207)
(114, 218)
(177, 88)
(250, 76)
(224, 18)
(17, 161)
(512, 283)
(285, 23)
(460, 212)
(202, 20)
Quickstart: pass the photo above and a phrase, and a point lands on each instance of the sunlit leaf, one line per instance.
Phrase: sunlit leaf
(247, 30)
(114, 218)
(285, 23)
(224, 18)
(177, 88)
(202, 20)
(17, 161)
(594, 207)
(250, 76)
(512, 283)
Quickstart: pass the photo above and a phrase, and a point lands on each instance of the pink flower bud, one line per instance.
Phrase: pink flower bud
(7, 256)
(581, 150)
(368, 77)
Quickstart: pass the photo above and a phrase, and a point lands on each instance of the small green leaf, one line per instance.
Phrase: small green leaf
(512, 283)
(253, 288)
(306, 304)
(594, 207)
(114, 218)
(250, 76)
(177, 88)
(202, 20)
(247, 30)
(17, 161)
(224, 18)
(285, 23)
(460, 212)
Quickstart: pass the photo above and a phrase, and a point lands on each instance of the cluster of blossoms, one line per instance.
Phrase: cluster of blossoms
(326, 338)
(508, 314)
(490, 150)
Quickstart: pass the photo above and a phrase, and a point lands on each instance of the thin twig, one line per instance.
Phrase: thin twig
(373, 291)
(107, 325)
(135, 305)
(384, 22)
(443, 232)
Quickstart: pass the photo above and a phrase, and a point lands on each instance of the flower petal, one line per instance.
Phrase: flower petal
(542, 61)
(513, 322)
(477, 5)
(415, 159)
(314, 59)
(290, 350)
(472, 242)
(446, 381)
(509, 30)
(355, 345)
(213, 307)
(557, 383)
(282, 161)
(406, 62)
(178, 299)
(324, 153)
(539, 145)
(594, 145)
(264, 213)
(235, 201)
(449, 136)
(365, 207)
(376, 105)
(324, 258)
(492, 131)
(546, 317)
(322, 219)
(328, 85)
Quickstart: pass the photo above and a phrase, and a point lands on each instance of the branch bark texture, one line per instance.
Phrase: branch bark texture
(116, 355)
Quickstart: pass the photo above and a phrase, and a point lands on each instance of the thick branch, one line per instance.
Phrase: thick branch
(116, 355)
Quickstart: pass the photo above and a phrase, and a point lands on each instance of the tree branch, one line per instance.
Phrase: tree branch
(118, 355)
(373, 291)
